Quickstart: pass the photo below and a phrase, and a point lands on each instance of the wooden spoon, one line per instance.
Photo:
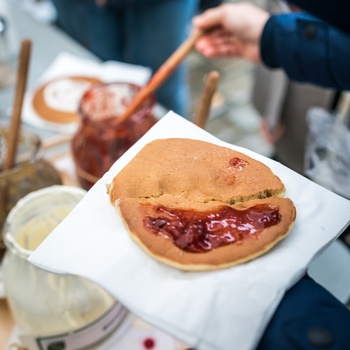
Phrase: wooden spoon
(21, 84)
(203, 109)
(162, 74)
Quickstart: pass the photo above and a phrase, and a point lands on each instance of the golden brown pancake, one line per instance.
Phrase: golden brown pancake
(198, 206)
(197, 170)
(56, 115)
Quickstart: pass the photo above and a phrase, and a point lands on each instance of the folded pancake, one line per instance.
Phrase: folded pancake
(198, 206)
(200, 171)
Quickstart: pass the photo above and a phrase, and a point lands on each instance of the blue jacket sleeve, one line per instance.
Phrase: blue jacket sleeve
(308, 49)
(308, 317)
(334, 12)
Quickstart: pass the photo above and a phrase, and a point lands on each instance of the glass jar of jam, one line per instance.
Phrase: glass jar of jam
(30, 172)
(101, 138)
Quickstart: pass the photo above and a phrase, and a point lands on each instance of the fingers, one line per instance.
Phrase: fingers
(209, 19)
(222, 50)
(215, 38)
(218, 43)
(243, 19)
(231, 30)
(251, 52)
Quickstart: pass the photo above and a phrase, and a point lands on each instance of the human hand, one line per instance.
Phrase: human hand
(234, 30)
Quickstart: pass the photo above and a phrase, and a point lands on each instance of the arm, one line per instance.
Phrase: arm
(308, 49)
(334, 12)
(308, 317)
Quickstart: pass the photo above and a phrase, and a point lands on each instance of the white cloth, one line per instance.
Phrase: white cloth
(216, 310)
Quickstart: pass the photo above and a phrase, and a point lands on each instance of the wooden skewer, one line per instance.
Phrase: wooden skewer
(203, 110)
(162, 74)
(56, 141)
(21, 83)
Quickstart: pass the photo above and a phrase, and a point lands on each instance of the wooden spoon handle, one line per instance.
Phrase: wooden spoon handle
(203, 110)
(162, 74)
(21, 83)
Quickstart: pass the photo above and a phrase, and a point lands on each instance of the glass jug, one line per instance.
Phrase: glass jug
(52, 311)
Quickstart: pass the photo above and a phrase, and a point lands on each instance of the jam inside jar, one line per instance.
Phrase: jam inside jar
(101, 138)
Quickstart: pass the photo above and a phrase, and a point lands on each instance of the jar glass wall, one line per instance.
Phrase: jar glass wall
(44, 303)
(30, 172)
(101, 139)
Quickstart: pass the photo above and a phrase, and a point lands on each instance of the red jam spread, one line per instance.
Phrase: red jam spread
(149, 343)
(235, 165)
(200, 232)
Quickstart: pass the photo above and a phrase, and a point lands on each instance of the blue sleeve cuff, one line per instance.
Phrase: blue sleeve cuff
(267, 47)
(307, 49)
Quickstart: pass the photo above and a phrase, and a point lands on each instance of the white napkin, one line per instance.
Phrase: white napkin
(220, 310)
(67, 64)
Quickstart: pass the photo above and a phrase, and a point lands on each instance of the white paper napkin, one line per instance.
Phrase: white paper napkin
(67, 64)
(220, 310)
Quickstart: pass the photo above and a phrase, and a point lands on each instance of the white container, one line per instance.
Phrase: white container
(52, 311)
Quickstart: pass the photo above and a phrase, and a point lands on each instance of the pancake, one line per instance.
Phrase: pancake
(196, 170)
(197, 206)
(57, 100)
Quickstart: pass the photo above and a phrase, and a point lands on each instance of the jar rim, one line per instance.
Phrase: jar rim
(145, 108)
(33, 152)
(10, 239)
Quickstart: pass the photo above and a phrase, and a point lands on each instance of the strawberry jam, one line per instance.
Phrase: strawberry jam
(237, 163)
(202, 231)
(235, 166)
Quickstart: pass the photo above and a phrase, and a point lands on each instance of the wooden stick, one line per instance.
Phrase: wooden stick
(203, 109)
(162, 74)
(56, 141)
(22, 73)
